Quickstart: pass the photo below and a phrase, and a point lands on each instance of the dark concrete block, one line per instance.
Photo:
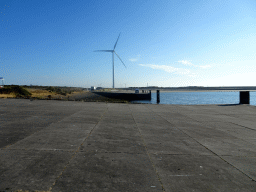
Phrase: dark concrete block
(244, 97)
(126, 96)
(158, 96)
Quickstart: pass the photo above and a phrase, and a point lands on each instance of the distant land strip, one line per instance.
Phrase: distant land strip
(153, 88)
(198, 88)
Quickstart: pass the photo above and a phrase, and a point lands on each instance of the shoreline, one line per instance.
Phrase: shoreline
(203, 91)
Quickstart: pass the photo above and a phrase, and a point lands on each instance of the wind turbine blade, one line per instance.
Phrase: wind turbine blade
(117, 40)
(103, 51)
(120, 59)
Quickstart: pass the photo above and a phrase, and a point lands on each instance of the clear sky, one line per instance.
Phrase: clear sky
(163, 43)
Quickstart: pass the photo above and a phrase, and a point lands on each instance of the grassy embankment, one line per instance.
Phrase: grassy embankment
(15, 91)
(55, 93)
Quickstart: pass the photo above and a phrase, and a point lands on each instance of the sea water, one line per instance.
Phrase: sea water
(198, 98)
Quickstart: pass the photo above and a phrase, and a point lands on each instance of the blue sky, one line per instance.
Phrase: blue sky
(162, 43)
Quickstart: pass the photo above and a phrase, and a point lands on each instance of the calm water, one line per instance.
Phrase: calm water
(199, 98)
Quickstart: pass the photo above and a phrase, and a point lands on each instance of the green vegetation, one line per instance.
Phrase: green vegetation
(62, 90)
(15, 89)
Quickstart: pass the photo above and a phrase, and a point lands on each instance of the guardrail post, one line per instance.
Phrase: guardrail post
(158, 96)
(244, 97)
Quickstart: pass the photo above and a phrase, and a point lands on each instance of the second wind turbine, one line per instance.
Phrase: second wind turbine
(113, 53)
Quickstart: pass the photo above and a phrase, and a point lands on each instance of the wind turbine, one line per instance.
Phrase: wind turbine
(113, 53)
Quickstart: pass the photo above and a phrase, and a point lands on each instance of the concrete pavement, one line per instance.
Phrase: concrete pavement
(77, 146)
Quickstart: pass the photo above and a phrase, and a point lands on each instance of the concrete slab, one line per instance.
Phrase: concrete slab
(200, 173)
(52, 140)
(244, 123)
(30, 169)
(235, 130)
(174, 147)
(168, 133)
(78, 146)
(235, 147)
(108, 172)
(142, 120)
(244, 163)
(249, 117)
(206, 132)
(105, 142)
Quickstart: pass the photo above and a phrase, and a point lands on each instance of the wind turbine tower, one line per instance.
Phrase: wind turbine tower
(1, 78)
(113, 54)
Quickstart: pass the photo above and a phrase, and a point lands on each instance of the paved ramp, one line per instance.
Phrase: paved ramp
(77, 146)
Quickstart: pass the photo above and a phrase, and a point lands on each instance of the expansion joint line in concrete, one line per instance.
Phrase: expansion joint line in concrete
(243, 126)
(149, 156)
(208, 148)
(78, 149)
(234, 123)
(227, 122)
